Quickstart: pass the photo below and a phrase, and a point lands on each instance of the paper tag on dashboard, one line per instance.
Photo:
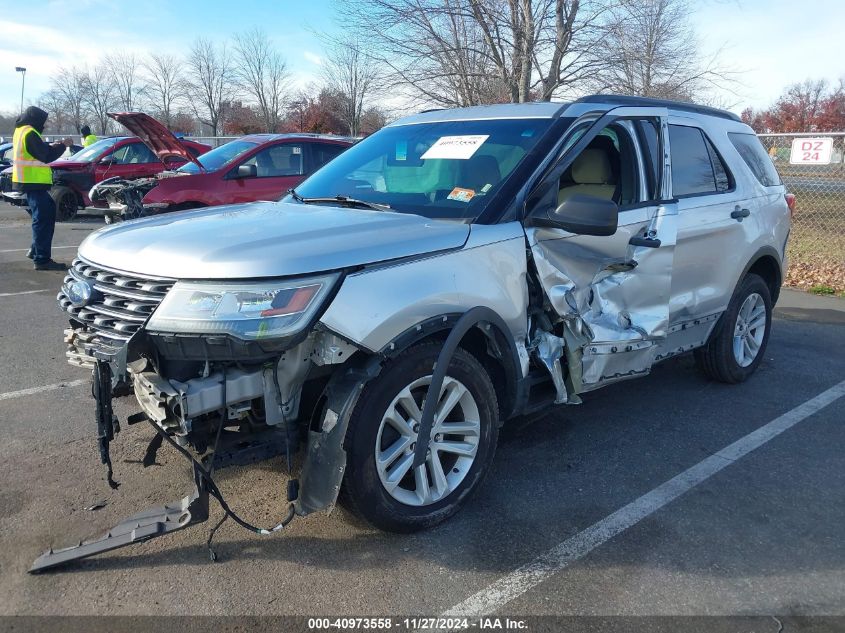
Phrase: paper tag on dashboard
(460, 147)
(460, 194)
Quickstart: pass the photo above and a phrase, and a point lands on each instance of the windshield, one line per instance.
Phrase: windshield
(92, 152)
(438, 170)
(218, 157)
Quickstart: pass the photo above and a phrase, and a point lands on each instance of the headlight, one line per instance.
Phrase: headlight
(249, 311)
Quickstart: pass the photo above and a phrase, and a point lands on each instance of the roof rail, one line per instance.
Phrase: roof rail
(665, 103)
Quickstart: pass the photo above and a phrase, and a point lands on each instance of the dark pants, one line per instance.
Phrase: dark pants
(43, 224)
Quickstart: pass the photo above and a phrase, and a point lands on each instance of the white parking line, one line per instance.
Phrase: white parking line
(23, 250)
(516, 583)
(33, 390)
(23, 292)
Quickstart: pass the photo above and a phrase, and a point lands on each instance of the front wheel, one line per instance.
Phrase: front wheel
(380, 484)
(737, 347)
(66, 203)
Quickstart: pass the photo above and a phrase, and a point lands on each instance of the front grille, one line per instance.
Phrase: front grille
(120, 306)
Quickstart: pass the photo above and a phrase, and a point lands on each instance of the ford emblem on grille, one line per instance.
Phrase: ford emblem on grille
(79, 292)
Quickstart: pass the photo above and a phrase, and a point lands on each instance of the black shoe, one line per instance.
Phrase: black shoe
(30, 254)
(50, 265)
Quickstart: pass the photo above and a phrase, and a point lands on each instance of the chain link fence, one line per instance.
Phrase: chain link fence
(817, 242)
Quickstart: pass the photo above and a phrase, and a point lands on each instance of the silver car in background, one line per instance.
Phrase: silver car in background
(452, 271)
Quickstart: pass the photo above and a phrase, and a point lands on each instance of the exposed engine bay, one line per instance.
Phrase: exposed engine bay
(124, 196)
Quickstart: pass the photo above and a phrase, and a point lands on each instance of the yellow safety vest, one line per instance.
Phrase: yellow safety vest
(89, 140)
(25, 168)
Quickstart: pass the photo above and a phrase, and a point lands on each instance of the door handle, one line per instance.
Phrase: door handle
(648, 242)
(738, 213)
(622, 266)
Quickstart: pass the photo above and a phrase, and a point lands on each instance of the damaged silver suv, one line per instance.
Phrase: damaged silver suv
(456, 269)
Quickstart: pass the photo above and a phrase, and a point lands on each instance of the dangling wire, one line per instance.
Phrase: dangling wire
(223, 417)
(211, 487)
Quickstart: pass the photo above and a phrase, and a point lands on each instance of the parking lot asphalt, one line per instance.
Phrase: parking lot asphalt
(762, 534)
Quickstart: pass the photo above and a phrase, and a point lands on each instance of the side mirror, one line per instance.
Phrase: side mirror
(106, 160)
(581, 214)
(246, 171)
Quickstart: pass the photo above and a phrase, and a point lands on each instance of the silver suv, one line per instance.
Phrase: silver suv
(454, 270)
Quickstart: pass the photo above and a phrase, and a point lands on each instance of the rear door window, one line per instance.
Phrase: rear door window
(692, 169)
(758, 161)
(720, 171)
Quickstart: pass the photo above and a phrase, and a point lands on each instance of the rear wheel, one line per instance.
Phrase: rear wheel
(66, 203)
(380, 483)
(737, 347)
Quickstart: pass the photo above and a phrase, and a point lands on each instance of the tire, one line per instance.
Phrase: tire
(735, 350)
(407, 508)
(66, 203)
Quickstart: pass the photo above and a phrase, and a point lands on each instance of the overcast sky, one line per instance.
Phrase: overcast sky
(775, 42)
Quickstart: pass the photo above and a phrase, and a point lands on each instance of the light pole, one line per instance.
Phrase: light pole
(22, 71)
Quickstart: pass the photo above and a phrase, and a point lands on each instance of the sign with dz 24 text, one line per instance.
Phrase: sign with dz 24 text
(811, 151)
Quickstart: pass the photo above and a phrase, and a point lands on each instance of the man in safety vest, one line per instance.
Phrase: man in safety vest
(87, 137)
(31, 174)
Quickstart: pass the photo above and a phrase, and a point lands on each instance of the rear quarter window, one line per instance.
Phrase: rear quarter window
(758, 161)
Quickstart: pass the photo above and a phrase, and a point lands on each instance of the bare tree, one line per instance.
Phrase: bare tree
(262, 72)
(352, 73)
(463, 52)
(59, 121)
(69, 85)
(164, 85)
(653, 52)
(125, 70)
(100, 92)
(209, 83)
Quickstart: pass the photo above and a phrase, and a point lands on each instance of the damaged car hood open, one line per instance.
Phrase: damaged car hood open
(266, 239)
(155, 136)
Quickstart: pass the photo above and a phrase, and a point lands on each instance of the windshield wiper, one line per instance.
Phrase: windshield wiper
(342, 199)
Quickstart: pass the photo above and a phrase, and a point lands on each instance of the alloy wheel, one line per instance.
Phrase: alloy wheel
(455, 437)
(749, 329)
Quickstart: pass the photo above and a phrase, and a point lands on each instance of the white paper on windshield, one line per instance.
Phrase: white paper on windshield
(459, 147)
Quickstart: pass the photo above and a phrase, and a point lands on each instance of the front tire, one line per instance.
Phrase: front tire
(379, 484)
(738, 345)
(66, 203)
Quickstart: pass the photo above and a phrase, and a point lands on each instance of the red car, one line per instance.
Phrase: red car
(254, 167)
(124, 156)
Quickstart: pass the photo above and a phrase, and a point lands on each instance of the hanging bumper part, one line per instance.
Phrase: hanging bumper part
(146, 525)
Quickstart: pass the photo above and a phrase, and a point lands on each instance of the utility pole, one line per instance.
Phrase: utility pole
(22, 71)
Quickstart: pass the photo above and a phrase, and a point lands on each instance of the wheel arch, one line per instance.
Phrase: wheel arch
(487, 338)
(766, 263)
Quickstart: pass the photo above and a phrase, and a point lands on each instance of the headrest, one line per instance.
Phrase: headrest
(592, 167)
(480, 170)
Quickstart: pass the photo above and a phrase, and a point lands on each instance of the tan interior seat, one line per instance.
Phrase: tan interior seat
(592, 175)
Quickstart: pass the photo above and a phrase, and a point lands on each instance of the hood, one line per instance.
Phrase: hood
(68, 164)
(155, 136)
(36, 117)
(266, 239)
